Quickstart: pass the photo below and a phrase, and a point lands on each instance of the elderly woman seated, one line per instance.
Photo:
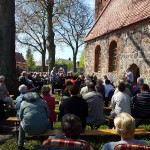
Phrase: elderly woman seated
(125, 127)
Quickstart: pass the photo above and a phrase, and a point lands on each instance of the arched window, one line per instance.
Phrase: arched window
(97, 66)
(112, 56)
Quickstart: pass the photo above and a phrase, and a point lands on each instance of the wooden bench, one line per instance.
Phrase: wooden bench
(11, 96)
(100, 132)
(107, 108)
(16, 120)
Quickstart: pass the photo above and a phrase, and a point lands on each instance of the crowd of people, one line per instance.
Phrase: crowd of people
(84, 97)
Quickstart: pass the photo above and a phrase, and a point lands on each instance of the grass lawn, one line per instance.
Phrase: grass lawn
(96, 141)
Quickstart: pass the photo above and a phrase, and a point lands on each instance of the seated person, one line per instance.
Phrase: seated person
(22, 89)
(125, 127)
(108, 87)
(127, 90)
(45, 91)
(75, 105)
(34, 116)
(99, 87)
(95, 107)
(140, 104)
(72, 127)
(4, 94)
(84, 89)
(120, 102)
(140, 82)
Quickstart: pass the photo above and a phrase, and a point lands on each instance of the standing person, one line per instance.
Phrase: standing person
(75, 105)
(23, 90)
(53, 79)
(129, 75)
(4, 94)
(34, 116)
(125, 127)
(45, 94)
(95, 107)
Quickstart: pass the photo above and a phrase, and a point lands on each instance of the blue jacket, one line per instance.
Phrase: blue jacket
(18, 103)
(34, 114)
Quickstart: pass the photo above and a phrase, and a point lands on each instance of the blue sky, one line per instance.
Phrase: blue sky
(63, 52)
(66, 52)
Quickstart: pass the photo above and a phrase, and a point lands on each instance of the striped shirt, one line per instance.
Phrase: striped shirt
(141, 105)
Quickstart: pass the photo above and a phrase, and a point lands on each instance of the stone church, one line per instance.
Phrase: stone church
(119, 39)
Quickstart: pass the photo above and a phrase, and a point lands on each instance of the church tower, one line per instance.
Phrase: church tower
(99, 5)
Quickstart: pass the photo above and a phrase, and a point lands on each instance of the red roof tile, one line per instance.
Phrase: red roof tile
(20, 58)
(118, 14)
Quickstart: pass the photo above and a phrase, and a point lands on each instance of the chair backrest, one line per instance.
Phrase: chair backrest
(67, 144)
(131, 147)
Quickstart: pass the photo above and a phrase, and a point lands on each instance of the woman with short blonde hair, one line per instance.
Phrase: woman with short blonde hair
(125, 127)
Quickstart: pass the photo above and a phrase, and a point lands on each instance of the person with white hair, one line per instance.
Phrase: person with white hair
(125, 127)
(140, 82)
(22, 89)
(84, 89)
(4, 94)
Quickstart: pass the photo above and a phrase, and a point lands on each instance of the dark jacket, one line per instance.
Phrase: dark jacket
(77, 106)
(140, 105)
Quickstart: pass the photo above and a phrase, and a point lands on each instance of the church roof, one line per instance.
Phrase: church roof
(118, 14)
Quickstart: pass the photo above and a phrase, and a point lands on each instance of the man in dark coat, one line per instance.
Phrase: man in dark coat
(75, 105)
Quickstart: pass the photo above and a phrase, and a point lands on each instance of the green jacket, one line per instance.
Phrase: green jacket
(34, 114)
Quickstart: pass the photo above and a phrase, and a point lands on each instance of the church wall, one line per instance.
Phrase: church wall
(133, 47)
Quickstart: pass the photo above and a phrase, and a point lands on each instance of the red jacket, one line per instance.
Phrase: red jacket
(51, 104)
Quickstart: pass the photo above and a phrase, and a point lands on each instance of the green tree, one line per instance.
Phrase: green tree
(40, 11)
(31, 25)
(30, 60)
(69, 63)
(82, 60)
(72, 24)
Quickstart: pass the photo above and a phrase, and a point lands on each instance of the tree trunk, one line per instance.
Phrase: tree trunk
(7, 44)
(74, 63)
(43, 62)
(50, 38)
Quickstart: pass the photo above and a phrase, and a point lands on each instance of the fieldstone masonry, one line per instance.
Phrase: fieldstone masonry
(133, 47)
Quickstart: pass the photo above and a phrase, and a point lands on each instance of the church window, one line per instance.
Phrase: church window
(112, 56)
(97, 66)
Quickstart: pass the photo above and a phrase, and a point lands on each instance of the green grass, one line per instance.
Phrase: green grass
(96, 141)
